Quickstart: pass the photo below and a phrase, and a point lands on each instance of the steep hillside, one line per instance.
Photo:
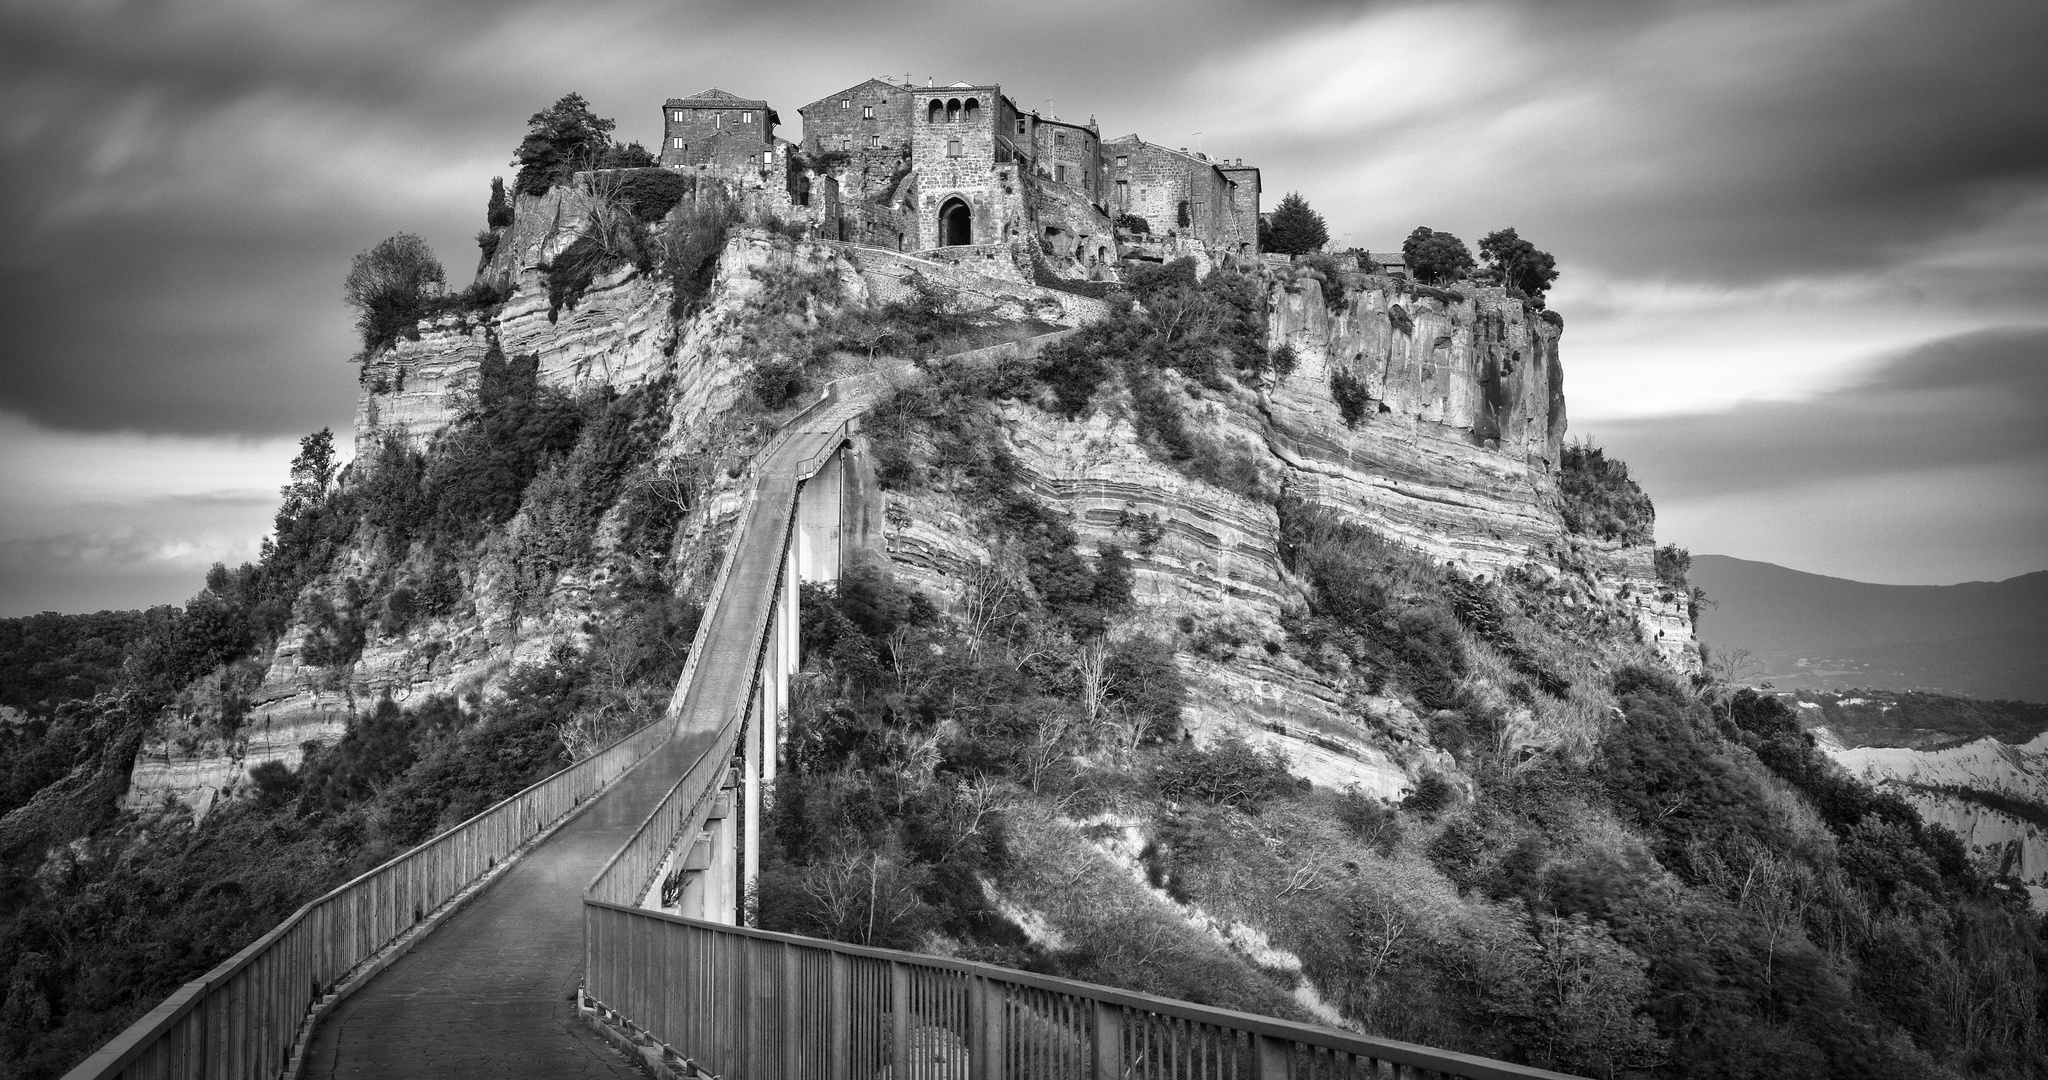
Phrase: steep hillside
(1986, 639)
(1262, 641)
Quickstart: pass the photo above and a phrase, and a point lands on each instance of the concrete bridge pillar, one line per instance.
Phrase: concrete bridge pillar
(711, 870)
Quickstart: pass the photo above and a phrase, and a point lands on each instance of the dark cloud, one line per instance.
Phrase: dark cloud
(1965, 401)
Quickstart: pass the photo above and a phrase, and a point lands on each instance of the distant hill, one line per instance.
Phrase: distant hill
(1986, 639)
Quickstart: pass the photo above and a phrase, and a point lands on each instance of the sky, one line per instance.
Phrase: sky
(1803, 243)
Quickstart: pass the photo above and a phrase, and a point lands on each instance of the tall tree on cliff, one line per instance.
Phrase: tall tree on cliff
(1297, 229)
(1516, 263)
(560, 139)
(1435, 257)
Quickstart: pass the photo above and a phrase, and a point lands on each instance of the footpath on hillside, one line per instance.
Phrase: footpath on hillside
(492, 991)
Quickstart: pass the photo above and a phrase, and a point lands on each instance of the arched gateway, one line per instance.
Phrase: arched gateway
(956, 223)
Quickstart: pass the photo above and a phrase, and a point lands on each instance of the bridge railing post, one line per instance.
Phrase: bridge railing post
(840, 1024)
(899, 1020)
(1109, 1041)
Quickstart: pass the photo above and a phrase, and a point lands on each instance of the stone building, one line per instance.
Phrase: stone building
(926, 168)
(715, 128)
(1184, 195)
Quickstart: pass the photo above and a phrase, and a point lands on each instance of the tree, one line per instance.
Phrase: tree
(1516, 263)
(498, 212)
(388, 286)
(1297, 229)
(1434, 256)
(560, 140)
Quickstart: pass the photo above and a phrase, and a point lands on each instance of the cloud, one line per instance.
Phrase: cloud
(1932, 466)
(1977, 399)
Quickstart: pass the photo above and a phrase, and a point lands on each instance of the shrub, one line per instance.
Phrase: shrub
(1673, 563)
(1133, 224)
(389, 286)
(1349, 392)
(1600, 499)
(650, 193)
(689, 247)
(777, 381)
(1229, 773)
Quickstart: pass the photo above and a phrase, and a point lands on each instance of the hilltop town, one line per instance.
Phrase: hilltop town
(960, 172)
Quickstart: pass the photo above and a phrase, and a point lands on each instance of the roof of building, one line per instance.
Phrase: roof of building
(715, 98)
(842, 94)
(1195, 157)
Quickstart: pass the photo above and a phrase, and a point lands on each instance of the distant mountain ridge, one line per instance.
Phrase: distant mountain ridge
(1986, 639)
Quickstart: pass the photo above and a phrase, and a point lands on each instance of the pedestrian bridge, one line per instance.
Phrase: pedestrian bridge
(590, 925)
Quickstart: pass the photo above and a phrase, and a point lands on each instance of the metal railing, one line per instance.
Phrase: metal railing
(241, 1019)
(754, 1005)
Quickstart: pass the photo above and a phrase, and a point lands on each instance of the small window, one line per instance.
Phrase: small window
(718, 120)
(1122, 161)
(1059, 173)
(677, 116)
(767, 157)
(678, 143)
(867, 112)
(746, 118)
(953, 148)
(1020, 127)
(846, 103)
(874, 142)
(1059, 138)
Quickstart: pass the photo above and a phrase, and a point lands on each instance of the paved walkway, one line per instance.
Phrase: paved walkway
(491, 992)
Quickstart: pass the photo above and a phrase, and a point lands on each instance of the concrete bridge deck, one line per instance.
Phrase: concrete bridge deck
(490, 992)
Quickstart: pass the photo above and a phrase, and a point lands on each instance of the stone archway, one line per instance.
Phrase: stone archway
(956, 223)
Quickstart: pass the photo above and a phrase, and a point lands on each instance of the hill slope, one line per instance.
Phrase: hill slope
(1981, 638)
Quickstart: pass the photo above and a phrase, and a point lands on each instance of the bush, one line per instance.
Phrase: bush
(1348, 390)
(1228, 773)
(561, 140)
(1133, 224)
(389, 286)
(1600, 499)
(498, 211)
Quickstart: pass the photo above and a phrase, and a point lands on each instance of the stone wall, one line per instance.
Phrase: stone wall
(1068, 154)
(739, 125)
(957, 159)
(1165, 186)
(855, 119)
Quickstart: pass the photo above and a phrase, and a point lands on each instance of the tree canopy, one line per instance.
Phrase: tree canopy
(567, 137)
(1296, 228)
(388, 286)
(1434, 257)
(1516, 263)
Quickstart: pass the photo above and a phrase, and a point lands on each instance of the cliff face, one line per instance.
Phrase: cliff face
(1455, 455)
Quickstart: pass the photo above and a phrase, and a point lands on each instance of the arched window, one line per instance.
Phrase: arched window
(931, 113)
(973, 110)
(953, 111)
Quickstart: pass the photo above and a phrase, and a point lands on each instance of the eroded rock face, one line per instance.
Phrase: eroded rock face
(1455, 456)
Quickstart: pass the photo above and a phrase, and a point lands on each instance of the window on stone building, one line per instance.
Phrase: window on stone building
(1122, 161)
(1059, 138)
(867, 112)
(973, 110)
(746, 118)
(874, 142)
(1059, 173)
(933, 111)
(953, 111)
(767, 157)
(678, 144)
(953, 148)
(846, 103)
(677, 116)
(1020, 127)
